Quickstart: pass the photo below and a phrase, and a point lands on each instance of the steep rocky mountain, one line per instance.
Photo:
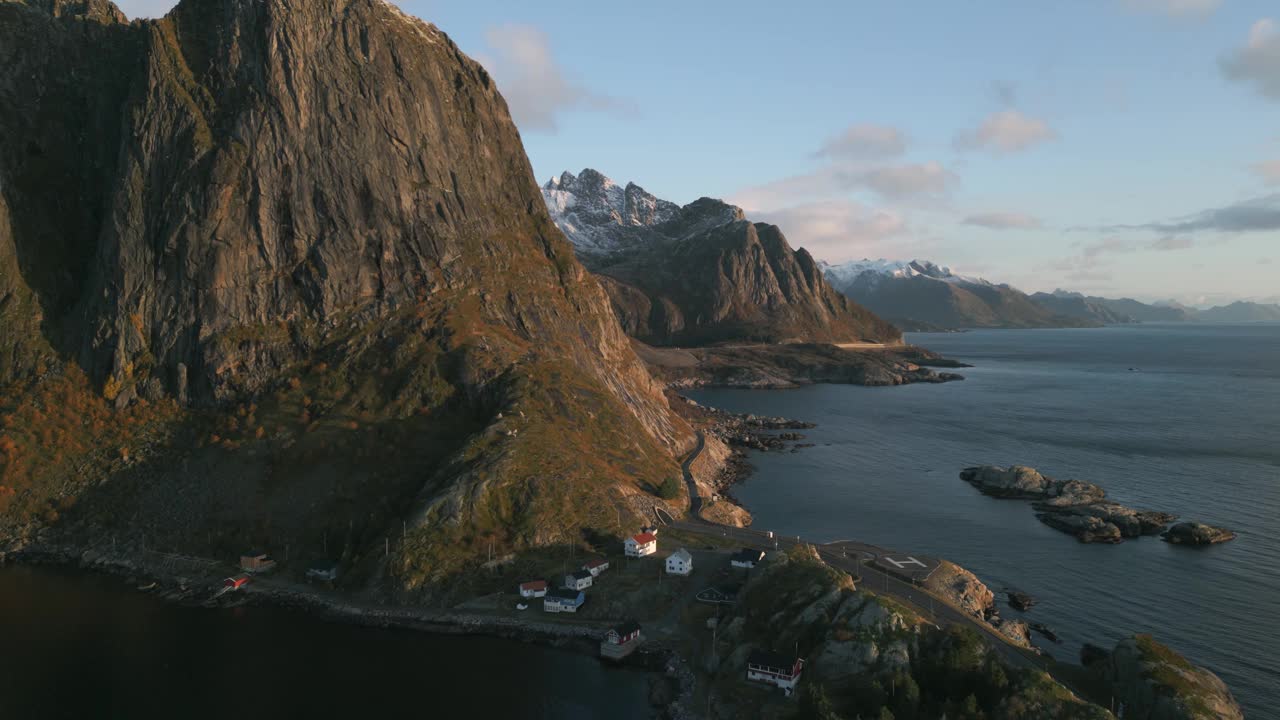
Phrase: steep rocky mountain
(272, 270)
(701, 273)
(1240, 312)
(920, 295)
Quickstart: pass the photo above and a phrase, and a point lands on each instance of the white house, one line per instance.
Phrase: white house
(679, 562)
(774, 669)
(580, 580)
(557, 601)
(652, 530)
(533, 589)
(595, 566)
(641, 545)
(746, 558)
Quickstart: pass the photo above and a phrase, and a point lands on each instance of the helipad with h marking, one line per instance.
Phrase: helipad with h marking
(915, 568)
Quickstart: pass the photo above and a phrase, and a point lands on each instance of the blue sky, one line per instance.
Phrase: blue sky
(1109, 146)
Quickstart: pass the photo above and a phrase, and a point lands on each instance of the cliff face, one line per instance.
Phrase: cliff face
(200, 207)
(701, 273)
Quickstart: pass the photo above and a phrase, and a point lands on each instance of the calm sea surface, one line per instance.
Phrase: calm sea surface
(1184, 418)
(75, 646)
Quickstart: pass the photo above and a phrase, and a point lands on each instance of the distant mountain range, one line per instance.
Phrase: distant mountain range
(920, 295)
(702, 273)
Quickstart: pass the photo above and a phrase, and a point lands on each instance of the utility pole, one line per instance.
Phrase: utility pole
(386, 547)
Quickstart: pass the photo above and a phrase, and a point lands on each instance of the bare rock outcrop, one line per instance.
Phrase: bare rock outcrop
(1194, 533)
(1075, 507)
(1156, 683)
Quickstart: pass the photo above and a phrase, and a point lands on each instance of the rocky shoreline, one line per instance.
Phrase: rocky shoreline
(791, 365)
(1081, 509)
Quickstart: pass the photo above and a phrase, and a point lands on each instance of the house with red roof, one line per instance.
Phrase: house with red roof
(641, 545)
(595, 566)
(533, 589)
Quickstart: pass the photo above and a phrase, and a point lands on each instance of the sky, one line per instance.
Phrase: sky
(1113, 147)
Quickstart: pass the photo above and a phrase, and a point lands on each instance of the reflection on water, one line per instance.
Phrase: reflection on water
(75, 646)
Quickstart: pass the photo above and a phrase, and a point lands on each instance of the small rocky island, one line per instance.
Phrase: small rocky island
(1194, 533)
(1075, 507)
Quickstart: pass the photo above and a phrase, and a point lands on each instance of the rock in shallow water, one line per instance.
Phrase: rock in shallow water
(1194, 533)
(1072, 506)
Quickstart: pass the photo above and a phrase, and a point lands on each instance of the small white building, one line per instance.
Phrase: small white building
(774, 669)
(679, 562)
(641, 545)
(746, 558)
(595, 566)
(533, 589)
(580, 580)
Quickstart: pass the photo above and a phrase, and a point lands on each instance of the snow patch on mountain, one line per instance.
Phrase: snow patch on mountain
(870, 271)
(601, 217)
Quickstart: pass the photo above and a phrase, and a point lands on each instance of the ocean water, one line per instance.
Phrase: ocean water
(86, 646)
(1183, 418)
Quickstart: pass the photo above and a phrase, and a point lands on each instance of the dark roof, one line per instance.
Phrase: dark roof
(324, 565)
(771, 659)
(564, 594)
(748, 555)
(581, 574)
(533, 585)
(596, 562)
(626, 628)
(254, 554)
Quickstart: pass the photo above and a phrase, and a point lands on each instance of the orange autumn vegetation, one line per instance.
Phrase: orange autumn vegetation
(49, 425)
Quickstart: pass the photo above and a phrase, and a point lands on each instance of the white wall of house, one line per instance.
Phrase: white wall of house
(679, 564)
(782, 681)
(634, 549)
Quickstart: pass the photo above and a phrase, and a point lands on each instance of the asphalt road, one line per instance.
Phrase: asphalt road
(848, 555)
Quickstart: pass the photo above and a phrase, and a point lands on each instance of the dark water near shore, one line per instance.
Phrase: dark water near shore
(1194, 429)
(75, 646)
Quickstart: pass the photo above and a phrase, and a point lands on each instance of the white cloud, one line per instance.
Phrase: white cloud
(1173, 242)
(901, 181)
(1269, 170)
(838, 230)
(1175, 8)
(536, 89)
(865, 141)
(1258, 62)
(1006, 131)
(1003, 221)
(894, 182)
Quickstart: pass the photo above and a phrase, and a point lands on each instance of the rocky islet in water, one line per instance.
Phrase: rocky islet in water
(1081, 509)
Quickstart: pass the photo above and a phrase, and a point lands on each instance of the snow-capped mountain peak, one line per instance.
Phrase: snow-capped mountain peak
(601, 217)
(867, 270)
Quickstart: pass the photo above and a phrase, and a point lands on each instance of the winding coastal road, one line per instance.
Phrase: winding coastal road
(852, 557)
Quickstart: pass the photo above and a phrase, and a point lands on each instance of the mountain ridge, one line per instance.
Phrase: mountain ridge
(361, 303)
(701, 273)
(920, 295)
